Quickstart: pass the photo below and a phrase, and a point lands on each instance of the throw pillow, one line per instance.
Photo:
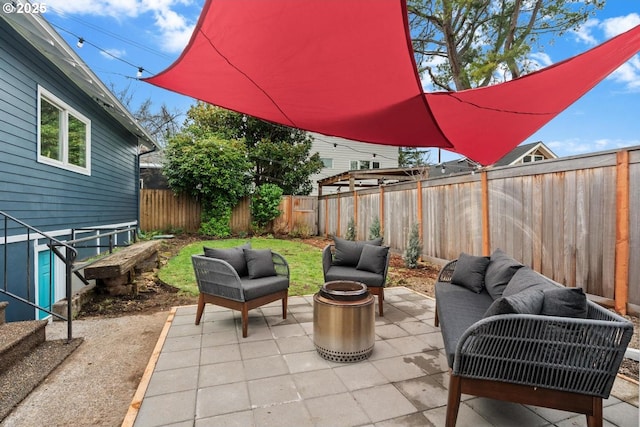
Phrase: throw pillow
(348, 251)
(373, 259)
(565, 302)
(234, 256)
(259, 263)
(525, 302)
(469, 272)
(526, 278)
(499, 271)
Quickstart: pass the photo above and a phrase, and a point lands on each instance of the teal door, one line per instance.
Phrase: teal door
(46, 282)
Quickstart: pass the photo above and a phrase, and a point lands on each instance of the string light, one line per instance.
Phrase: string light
(80, 43)
(139, 73)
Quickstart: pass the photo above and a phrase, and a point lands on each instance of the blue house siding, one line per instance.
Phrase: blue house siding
(47, 197)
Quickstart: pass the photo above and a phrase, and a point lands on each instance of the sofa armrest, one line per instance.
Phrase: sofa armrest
(280, 264)
(447, 271)
(217, 277)
(567, 354)
(327, 258)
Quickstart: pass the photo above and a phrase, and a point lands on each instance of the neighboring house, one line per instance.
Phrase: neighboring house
(68, 158)
(340, 155)
(151, 176)
(525, 153)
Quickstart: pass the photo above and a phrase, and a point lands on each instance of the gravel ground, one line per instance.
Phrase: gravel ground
(94, 386)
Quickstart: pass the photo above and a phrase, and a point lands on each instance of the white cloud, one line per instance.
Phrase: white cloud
(584, 33)
(171, 29)
(575, 146)
(618, 25)
(111, 53)
(629, 74)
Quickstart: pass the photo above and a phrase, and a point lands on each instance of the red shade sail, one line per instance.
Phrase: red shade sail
(346, 68)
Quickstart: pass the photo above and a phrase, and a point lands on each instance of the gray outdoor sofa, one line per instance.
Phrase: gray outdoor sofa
(512, 334)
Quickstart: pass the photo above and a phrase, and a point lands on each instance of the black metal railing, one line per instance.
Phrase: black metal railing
(66, 251)
(23, 232)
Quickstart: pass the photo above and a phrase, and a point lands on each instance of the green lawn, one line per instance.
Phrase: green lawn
(305, 263)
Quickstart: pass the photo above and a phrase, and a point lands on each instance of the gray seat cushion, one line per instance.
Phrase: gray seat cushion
(256, 288)
(338, 272)
(463, 308)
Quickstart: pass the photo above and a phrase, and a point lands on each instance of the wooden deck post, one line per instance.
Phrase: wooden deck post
(621, 290)
(355, 211)
(338, 219)
(486, 240)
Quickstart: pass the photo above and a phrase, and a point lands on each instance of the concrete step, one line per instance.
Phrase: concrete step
(20, 379)
(17, 339)
(3, 307)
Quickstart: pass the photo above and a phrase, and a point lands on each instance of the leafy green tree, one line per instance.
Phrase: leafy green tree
(214, 170)
(280, 155)
(265, 205)
(462, 44)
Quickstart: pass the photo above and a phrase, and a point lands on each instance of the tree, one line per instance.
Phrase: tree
(414, 248)
(280, 155)
(462, 44)
(265, 205)
(411, 157)
(210, 168)
(160, 123)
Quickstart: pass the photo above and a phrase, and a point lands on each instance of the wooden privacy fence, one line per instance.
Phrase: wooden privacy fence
(575, 220)
(163, 210)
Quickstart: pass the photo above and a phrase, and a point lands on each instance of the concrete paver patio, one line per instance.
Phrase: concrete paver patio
(208, 375)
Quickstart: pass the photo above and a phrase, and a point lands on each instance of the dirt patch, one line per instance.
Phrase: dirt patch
(154, 296)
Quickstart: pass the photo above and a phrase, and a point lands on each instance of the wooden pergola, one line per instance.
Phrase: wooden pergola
(372, 177)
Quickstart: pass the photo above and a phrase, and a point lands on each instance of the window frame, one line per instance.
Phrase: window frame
(65, 110)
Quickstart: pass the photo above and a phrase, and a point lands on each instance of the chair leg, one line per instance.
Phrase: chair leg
(200, 308)
(245, 320)
(595, 420)
(284, 306)
(436, 321)
(453, 401)
(381, 302)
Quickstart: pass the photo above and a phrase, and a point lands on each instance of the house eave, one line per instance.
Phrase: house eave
(43, 37)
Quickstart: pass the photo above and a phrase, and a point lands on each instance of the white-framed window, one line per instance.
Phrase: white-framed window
(363, 164)
(64, 135)
(327, 163)
(532, 158)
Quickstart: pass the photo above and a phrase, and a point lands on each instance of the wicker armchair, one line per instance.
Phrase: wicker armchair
(219, 284)
(557, 362)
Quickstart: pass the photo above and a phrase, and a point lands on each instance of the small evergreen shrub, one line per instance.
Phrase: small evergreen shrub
(412, 253)
(375, 230)
(351, 230)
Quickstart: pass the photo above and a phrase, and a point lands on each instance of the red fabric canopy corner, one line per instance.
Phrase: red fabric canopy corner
(346, 68)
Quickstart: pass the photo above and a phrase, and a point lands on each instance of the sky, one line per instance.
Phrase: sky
(122, 36)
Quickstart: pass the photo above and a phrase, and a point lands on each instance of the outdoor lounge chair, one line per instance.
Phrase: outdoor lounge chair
(228, 282)
(365, 262)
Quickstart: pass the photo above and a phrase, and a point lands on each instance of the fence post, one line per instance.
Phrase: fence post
(419, 214)
(621, 290)
(355, 211)
(382, 210)
(486, 242)
(338, 219)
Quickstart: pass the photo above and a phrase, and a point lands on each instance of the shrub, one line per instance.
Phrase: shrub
(351, 230)
(375, 230)
(265, 205)
(412, 253)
